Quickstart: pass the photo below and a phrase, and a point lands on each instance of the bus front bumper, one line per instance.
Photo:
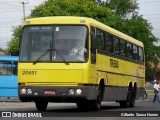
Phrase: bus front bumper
(58, 93)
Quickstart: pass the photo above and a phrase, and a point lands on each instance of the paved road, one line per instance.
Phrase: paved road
(109, 109)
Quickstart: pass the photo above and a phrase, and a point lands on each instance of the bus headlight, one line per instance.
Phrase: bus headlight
(71, 92)
(78, 91)
(29, 91)
(23, 91)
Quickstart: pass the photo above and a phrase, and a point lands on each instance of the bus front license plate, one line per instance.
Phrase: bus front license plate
(49, 92)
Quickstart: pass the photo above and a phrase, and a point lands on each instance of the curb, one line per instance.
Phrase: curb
(9, 99)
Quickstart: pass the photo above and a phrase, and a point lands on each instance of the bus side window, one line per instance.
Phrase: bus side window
(141, 57)
(100, 38)
(129, 51)
(6, 68)
(109, 44)
(116, 46)
(123, 48)
(135, 52)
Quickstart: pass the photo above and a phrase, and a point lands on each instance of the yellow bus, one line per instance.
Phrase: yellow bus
(78, 60)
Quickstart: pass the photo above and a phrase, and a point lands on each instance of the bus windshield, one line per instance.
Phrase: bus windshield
(59, 43)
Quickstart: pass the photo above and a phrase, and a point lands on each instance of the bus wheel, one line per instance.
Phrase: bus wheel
(132, 99)
(41, 105)
(126, 103)
(95, 105)
(82, 105)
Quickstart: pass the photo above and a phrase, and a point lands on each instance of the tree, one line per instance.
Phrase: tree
(140, 29)
(13, 45)
(86, 8)
(124, 8)
(136, 26)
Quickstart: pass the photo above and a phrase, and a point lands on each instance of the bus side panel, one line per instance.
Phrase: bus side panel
(113, 93)
(8, 86)
(118, 74)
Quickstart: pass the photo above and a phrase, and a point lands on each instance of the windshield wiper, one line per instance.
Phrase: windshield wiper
(47, 52)
(61, 57)
(41, 56)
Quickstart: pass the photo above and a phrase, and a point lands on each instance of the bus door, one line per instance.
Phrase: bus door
(8, 79)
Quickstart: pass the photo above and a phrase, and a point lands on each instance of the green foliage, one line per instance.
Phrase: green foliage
(140, 29)
(124, 8)
(13, 45)
(83, 8)
(137, 27)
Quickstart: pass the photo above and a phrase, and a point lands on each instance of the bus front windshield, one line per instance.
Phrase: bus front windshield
(67, 43)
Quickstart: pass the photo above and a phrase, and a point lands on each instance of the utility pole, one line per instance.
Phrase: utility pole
(23, 3)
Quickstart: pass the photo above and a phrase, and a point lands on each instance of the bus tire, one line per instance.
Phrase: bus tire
(82, 105)
(95, 105)
(125, 103)
(41, 105)
(132, 99)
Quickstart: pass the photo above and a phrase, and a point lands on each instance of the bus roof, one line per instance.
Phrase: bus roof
(80, 20)
(9, 58)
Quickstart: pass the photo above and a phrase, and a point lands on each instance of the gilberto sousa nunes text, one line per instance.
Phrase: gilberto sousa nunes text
(139, 114)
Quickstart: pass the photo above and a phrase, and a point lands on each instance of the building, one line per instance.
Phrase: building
(157, 75)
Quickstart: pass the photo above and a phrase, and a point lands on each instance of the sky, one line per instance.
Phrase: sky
(150, 9)
(11, 15)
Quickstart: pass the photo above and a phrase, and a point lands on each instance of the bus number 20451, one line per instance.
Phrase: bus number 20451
(29, 72)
